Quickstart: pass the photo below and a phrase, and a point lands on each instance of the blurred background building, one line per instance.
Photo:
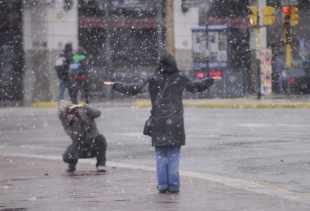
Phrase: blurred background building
(124, 39)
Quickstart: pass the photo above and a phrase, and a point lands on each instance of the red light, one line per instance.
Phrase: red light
(215, 74)
(200, 75)
(292, 81)
(286, 10)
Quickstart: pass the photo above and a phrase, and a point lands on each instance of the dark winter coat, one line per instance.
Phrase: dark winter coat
(83, 130)
(67, 54)
(168, 121)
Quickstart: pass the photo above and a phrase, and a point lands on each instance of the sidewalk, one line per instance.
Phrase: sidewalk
(41, 183)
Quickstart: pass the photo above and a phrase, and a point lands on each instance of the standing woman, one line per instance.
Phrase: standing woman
(167, 85)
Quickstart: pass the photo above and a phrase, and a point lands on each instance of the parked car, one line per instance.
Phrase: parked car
(213, 91)
(294, 81)
(306, 68)
(204, 72)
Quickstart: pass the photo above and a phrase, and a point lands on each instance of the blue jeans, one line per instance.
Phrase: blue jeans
(63, 84)
(167, 162)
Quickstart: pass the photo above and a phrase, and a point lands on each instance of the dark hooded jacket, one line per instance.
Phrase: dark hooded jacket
(68, 55)
(83, 130)
(168, 121)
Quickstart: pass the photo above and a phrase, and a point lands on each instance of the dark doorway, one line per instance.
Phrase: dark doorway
(11, 50)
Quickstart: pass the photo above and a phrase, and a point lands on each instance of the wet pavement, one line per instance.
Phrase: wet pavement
(45, 185)
(40, 181)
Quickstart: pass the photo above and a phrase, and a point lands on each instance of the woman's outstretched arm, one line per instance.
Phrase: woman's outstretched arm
(127, 88)
(200, 85)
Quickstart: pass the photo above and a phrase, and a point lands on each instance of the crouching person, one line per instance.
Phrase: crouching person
(79, 123)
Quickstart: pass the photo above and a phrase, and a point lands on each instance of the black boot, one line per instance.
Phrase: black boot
(71, 168)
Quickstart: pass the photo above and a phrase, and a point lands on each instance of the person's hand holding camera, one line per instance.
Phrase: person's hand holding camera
(73, 111)
(75, 107)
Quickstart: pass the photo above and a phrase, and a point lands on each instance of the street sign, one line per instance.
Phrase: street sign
(289, 2)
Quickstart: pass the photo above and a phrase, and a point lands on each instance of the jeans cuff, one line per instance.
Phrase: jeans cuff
(174, 189)
(162, 187)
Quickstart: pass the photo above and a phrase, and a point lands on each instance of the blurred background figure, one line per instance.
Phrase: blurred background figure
(78, 74)
(62, 69)
(278, 68)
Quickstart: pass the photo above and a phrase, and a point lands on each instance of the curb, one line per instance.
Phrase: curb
(147, 104)
(44, 105)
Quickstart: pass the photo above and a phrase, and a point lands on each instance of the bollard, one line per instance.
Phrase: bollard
(259, 92)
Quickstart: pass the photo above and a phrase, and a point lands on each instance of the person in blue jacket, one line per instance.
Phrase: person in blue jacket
(79, 77)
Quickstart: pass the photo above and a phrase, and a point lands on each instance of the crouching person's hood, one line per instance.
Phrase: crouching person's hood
(62, 108)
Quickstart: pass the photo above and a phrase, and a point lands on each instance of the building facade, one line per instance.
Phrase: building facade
(121, 38)
(47, 26)
(137, 35)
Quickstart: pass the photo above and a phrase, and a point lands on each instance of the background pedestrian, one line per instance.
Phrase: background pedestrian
(78, 73)
(62, 69)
